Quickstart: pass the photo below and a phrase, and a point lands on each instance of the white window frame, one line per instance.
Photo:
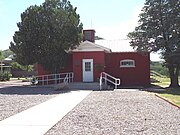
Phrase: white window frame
(127, 60)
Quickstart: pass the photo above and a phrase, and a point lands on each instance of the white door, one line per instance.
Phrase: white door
(87, 70)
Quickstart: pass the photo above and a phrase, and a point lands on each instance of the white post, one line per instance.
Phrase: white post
(69, 78)
(42, 80)
(115, 84)
(72, 77)
(55, 78)
(59, 78)
(100, 83)
(47, 80)
(105, 79)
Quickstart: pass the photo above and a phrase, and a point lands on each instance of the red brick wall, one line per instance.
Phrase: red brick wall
(98, 58)
(130, 76)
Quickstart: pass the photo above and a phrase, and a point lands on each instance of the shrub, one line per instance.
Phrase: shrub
(5, 76)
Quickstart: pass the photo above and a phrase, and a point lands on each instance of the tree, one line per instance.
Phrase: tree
(17, 66)
(1, 61)
(159, 30)
(46, 33)
(7, 53)
(1, 55)
(159, 68)
(98, 38)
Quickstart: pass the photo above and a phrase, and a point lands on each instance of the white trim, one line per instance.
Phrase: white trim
(130, 61)
(88, 76)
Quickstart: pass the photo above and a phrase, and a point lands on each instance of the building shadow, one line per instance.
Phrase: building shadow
(162, 90)
(31, 90)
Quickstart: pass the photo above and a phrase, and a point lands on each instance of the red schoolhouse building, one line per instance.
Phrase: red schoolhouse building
(91, 58)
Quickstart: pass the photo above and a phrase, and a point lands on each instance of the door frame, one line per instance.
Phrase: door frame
(89, 76)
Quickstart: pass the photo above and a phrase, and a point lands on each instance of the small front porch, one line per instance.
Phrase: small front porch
(63, 81)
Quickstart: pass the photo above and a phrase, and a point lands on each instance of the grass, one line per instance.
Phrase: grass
(22, 79)
(170, 94)
(162, 82)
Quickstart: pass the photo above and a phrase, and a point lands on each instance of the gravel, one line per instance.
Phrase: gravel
(120, 113)
(16, 99)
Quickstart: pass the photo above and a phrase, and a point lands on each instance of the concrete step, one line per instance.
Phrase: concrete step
(84, 86)
(107, 87)
(79, 86)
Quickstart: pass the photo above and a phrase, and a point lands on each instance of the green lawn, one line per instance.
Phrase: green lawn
(172, 95)
(163, 82)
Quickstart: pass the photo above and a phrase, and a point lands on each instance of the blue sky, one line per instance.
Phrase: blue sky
(111, 19)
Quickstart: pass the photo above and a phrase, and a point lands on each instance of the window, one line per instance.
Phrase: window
(87, 66)
(127, 63)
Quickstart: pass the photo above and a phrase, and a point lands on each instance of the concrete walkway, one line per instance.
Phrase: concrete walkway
(13, 83)
(39, 119)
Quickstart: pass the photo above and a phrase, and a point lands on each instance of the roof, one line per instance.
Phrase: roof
(88, 46)
(9, 58)
(120, 45)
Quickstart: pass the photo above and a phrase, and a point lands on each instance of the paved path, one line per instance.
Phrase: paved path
(13, 83)
(39, 119)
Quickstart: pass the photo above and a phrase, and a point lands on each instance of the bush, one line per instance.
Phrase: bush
(5, 76)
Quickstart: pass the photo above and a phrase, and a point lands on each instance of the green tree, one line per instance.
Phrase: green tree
(1, 55)
(7, 53)
(159, 67)
(46, 33)
(16, 65)
(159, 30)
(1, 61)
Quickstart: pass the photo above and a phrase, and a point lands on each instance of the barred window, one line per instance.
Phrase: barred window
(127, 63)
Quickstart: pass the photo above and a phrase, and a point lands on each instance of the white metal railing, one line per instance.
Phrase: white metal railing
(108, 78)
(54, 78)
(66, 79)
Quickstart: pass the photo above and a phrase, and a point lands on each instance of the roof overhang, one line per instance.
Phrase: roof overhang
(88, 46)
